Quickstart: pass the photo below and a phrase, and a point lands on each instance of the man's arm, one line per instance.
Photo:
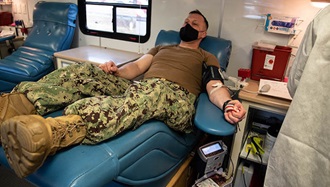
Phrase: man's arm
(129, 70)
(218, 95)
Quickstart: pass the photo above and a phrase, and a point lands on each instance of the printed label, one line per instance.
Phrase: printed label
(269, 62)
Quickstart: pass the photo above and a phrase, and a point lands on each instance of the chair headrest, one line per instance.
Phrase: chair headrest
(54, 11)
(221, 48)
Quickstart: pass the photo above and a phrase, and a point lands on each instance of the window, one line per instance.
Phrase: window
(127, 20)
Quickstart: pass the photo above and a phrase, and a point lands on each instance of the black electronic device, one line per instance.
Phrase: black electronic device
(212, 154)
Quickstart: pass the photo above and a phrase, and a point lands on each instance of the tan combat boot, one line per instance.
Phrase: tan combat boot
(14, 104)
(29, 139)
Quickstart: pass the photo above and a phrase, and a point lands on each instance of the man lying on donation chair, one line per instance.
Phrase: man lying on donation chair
(102, 102)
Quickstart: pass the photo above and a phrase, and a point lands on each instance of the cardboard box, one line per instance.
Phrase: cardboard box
(280, 24)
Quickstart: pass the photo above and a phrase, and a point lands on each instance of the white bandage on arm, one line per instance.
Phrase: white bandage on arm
(215, 87)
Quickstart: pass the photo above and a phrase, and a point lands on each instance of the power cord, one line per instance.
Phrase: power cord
(248, 153)
(243, 175)
(248, 91)
(237, 127)
(256, 146)
(232, 164)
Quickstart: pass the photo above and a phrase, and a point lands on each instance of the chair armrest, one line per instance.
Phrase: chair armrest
(210, 119)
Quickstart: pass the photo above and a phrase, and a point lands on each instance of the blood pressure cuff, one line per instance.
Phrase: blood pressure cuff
(210, 73)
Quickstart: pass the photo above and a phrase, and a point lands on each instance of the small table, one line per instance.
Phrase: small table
(95, 55)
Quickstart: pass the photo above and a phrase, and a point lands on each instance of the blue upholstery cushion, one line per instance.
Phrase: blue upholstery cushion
(52, 31)
(137, 157)
(53, 12)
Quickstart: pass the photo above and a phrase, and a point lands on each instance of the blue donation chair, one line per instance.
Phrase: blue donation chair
(52, 31)
(8, 38)
(147, 156)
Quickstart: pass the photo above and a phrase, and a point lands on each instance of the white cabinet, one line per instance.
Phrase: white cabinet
(95, 55)
(257, 107)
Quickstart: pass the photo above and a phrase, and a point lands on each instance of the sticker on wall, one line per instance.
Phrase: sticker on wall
(269, 62)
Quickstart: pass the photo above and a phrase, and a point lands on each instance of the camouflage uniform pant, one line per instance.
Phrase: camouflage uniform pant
(109, 104)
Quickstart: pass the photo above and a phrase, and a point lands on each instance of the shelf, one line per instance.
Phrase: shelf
(253, 157)
(259, 109)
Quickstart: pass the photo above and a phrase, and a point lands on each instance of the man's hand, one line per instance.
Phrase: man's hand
(234, 112)
(109, 67)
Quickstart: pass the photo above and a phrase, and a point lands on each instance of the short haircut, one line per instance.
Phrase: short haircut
(198, 12)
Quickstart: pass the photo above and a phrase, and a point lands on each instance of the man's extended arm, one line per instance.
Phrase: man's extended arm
(219, 96)
(130, 70)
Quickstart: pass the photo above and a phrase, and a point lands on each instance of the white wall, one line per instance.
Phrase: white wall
(5, 8)
(242, 25)
(235, 16)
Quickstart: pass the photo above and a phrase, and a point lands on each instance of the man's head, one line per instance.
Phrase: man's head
(194, 27)
(204, 18)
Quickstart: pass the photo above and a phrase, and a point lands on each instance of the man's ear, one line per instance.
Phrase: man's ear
(204, 34)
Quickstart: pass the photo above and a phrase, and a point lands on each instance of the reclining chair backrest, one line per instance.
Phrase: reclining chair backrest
(219, 47)
(53, 30)
(49, 24)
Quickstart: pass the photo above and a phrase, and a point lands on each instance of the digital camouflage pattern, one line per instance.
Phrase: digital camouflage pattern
(109, 104)
(67, 85)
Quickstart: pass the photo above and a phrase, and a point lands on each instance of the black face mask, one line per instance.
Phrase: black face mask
(188, 34)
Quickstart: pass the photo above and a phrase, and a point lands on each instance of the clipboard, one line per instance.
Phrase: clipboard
(277, 89)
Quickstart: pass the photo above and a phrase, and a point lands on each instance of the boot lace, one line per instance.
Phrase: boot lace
(59, 133)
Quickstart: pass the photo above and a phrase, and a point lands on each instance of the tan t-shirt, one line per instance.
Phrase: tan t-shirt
(180, 65)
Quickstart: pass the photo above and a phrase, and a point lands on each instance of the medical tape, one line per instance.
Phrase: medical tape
(215, 87)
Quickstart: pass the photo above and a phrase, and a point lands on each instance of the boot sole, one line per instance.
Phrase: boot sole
(26, 142)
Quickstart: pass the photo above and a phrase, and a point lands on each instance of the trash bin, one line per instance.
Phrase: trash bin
(269, 62)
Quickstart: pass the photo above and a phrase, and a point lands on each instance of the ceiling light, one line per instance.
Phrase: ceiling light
(320, 3)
